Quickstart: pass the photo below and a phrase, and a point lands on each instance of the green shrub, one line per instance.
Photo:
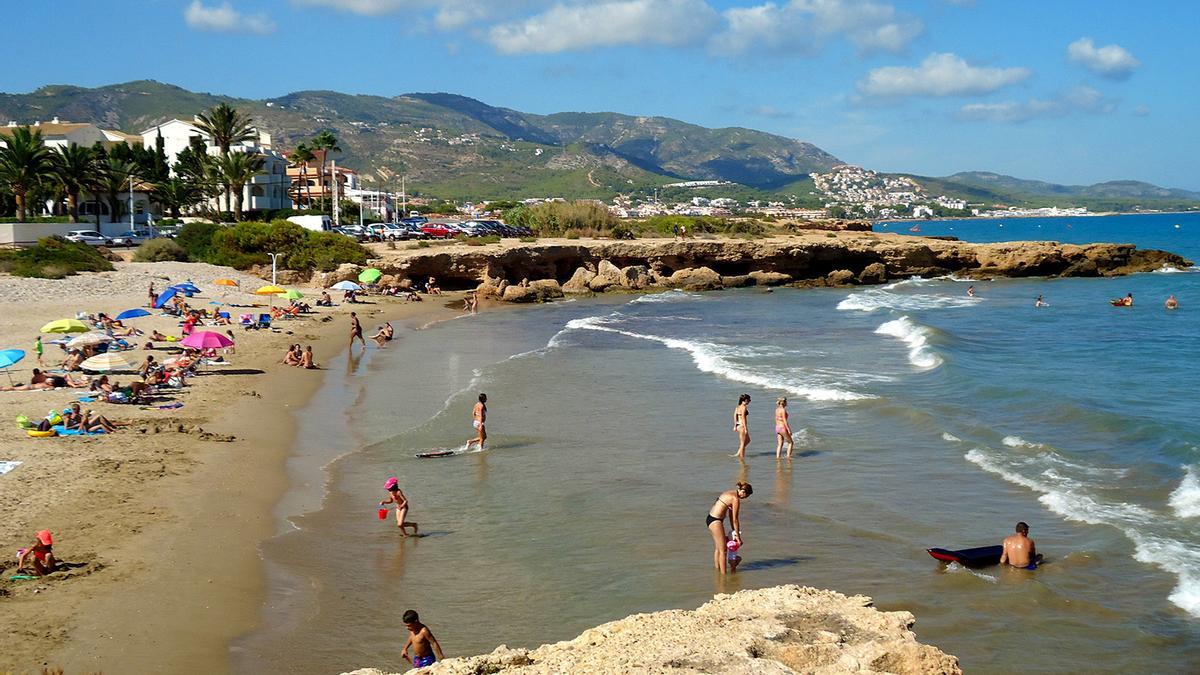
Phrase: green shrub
(528, 240)
(196, 240)
(622, 232)
(53, 258)
(572, 234)
(555, 218)
(159, 250)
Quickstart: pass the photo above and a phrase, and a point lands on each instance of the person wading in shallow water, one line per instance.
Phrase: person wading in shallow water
(1019, 549)
(479, 422)
(741, 426)
(729, 502)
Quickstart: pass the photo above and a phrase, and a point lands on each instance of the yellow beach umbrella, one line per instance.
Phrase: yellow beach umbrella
(66, 326)
(270, 290)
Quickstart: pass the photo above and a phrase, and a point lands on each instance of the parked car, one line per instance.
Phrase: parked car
(132, 238)
(476, 228)
(415, 220)
(90, 237)
(437, 230)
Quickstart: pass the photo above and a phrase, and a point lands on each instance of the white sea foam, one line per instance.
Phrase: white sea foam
(1018, 442)
(666, 296)
(714, 359)
(950, 438)
(916, 336)
(955, 567)
(905, 282)
(1171, 269)
(875, 299)
(1149, 531)
(1185, 500)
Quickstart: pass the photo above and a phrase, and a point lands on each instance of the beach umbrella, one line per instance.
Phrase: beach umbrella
(8, 357)
(108, 361)
(206, 339)
(132, 314)
(370, 276)
(89, 339)
(165, 297)
(270, 290)
(66, 326)
(227, 282)
(293, 294)
(346, 286)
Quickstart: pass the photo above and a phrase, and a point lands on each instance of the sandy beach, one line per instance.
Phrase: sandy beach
(160, 522)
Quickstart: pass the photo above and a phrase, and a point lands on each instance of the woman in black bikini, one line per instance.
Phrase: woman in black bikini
(729, 502)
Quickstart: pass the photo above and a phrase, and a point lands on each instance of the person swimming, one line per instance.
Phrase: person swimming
(741, 426)
(1171, 302)
(783, 430)
(1039, 302)
(728, 503)
(1019, 549)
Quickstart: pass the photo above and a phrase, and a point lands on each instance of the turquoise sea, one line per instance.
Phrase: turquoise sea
(923, 417)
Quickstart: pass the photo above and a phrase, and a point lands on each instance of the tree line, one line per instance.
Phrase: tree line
(32, 173)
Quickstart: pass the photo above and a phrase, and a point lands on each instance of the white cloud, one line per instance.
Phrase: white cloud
(805, 25)
(367, 7)
(606, 24)
(1111, 61)
(1076, 100)
(938, 75)
(225, 19)
(1142, 110)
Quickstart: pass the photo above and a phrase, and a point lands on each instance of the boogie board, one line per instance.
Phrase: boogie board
(982, 556)
(435, 453)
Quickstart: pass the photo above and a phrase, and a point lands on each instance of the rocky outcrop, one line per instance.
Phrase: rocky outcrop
(785, 629)
(808, 258)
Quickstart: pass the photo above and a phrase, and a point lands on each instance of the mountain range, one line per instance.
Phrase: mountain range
(456, 147)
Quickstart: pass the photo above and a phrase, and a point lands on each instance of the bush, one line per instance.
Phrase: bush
(528, 240)
(159, 250)
(555, 218)
(196, 240)
(247, 244)
(572, 234)
(53, 258)
(622, 232)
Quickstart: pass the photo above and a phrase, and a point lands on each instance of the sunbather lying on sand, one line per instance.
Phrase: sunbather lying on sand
(41, 380)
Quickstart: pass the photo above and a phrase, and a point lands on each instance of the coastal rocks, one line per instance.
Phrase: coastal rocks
(840, 278)
(540, 290)
(607, 274)
(875, 273)
(695, 279)
(737, 281)
(344, 272)
(547, 289)
(578, 283)
(635, 277)
(770, 278)
(518, 293)
(785, 629)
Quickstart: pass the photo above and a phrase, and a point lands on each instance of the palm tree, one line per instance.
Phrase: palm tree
(234, 171)
(25, 162)
(75, 169)
(177, 193)
(113, 180)
(301, 156)
(226, 125)
(326, 143)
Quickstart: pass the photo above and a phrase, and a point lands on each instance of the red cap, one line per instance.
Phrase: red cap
(45, 537)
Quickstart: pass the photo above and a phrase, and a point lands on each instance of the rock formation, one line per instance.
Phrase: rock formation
(785, 629)
(813, 258)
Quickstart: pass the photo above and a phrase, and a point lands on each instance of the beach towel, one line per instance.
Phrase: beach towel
(63, 431)
(169, 406)
(7, 465)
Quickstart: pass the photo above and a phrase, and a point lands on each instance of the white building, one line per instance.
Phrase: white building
(267, 191)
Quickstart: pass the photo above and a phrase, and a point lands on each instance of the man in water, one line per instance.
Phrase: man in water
(1171, 303)
(356, 331)
(1039, 302)
(1019, 549)
(425, 647)
(971, 291)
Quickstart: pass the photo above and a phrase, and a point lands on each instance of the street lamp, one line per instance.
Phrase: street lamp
(274, 258)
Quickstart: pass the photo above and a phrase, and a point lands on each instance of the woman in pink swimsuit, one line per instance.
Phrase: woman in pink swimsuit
(783, 430)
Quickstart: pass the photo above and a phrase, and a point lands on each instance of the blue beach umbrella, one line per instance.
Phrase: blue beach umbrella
(165, 297)
(346, 286)
(132, 314)
(187, 288)
(8, 357)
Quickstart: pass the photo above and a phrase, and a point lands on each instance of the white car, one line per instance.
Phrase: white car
(132, 238)
(90, 237)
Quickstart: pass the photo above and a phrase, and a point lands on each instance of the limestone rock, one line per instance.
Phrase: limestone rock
(344, 272)
(875, 273)
(635, 277)
(737, 281)
(546, 289)
(517, 293)
(607, 274)
(578, 283)
(840, 278)
(695, 279)
(780, 630)
(770, 278)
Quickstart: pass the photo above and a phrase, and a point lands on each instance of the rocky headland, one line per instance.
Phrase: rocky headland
(785, 629)
(551, 268)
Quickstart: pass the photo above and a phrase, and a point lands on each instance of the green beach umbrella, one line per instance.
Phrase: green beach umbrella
(66, 326)
(370, 276)
(293, 295)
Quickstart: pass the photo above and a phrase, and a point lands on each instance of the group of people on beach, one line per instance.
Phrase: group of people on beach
(783, 427)
(300, 358)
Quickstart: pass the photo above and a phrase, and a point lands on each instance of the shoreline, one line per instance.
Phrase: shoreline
(175, 573)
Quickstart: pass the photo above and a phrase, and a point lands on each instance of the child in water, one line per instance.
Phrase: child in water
(426, 650)
(395, 496)
(732, 559)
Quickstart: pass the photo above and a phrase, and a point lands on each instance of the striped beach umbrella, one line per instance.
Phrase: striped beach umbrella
(89, 339)
(108, 361)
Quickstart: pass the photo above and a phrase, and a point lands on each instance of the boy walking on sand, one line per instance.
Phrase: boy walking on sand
(421, 639)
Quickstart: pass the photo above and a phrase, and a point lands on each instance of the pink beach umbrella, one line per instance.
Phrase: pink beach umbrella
(206, 339)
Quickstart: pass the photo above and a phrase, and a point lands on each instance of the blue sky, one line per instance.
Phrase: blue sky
(1066, 91)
